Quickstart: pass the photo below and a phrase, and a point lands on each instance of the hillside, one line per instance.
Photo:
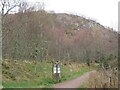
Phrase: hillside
(34, 40)
(40, 35)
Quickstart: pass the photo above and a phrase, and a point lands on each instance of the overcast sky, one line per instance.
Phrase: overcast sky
(103, 11)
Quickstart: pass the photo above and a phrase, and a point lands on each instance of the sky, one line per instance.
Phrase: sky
(103, 11)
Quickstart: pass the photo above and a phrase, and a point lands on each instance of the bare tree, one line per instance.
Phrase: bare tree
(23, 7)
(39, 6)
(8, 5)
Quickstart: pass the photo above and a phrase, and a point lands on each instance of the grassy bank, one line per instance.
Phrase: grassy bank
(37, 74)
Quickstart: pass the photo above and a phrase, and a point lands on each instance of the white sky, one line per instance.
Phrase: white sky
(104, 11)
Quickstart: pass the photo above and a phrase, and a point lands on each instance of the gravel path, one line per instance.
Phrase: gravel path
(75, 83)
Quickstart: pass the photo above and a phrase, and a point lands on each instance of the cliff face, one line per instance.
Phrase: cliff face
(57, 35)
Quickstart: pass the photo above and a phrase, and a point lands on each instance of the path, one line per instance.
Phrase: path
(75, 83)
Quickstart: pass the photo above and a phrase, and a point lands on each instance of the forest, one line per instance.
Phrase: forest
(33, 34)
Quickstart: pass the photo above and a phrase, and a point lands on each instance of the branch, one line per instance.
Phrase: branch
(3, 2)
(9, 10)
(3, 6)
(107, 74)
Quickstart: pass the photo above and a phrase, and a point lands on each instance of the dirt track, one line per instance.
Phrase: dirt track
(75, 83)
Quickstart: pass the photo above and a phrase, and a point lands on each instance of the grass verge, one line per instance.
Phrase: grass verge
(30, 74)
